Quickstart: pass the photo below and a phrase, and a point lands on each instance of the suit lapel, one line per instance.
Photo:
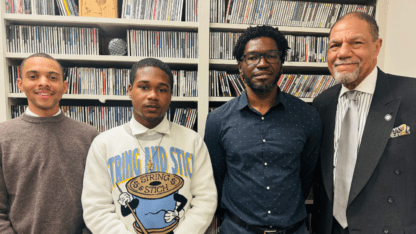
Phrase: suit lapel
(376, 134)
(327, 152)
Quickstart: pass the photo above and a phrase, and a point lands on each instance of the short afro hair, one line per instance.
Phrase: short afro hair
(151, 62)
(261, 31)
(41, 55)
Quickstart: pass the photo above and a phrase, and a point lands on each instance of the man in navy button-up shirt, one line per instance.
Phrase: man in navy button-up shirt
(263, 144)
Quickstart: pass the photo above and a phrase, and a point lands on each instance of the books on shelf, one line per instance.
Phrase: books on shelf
(283, 13)
(52, 40)
(167, 10)
(301, 86)
(307, 49)
(184, 116)
(172, 44)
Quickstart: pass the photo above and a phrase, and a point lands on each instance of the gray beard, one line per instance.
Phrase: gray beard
(348, 77)
(261, 89)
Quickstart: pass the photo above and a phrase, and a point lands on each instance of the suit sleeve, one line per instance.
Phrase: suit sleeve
(310, 153)
(97, 201)
(5, 225)
(217, 153)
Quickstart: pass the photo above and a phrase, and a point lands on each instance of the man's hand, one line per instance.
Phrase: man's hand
(125, 198)
(170, 215)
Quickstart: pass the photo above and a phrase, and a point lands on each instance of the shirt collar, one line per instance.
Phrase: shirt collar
(368, 85)
(30, 113)
(243, 100)
(137, 128)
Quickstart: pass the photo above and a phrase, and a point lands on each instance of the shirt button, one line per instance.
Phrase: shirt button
(385, 230)
(397, 172)
(390, 200)
(262, 118)
(268, 187)
(264, 140)
(265, 163)
(269, 212)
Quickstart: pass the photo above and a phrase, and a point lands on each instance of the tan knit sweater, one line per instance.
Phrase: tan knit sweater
(42, 162)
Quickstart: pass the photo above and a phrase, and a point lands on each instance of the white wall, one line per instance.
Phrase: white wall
(400, 38)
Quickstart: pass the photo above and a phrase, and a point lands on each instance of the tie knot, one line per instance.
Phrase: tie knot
(351, 95)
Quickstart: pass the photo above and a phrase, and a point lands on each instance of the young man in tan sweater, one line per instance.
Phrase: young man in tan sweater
(42, 157)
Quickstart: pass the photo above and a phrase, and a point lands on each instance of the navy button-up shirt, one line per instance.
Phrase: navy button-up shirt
(263, 164)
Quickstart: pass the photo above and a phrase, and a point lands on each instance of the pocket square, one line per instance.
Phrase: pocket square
(401, 130)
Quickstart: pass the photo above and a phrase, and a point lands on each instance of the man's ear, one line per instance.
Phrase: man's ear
(130, 89)
(239, 65)
(19, 83)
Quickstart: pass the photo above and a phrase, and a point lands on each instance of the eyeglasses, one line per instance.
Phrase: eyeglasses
(253, 58)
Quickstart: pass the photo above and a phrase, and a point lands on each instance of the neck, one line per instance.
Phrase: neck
(262, 102)
(43, 113)
(152, 123)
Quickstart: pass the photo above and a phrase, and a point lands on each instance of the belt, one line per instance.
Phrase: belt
(265, 230)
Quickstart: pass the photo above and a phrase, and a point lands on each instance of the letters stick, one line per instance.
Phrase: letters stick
(134, 214)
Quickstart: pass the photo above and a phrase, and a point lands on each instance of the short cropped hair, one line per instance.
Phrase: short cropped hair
(151, 62)
(41, 55)
(363, 16)
(261, 31)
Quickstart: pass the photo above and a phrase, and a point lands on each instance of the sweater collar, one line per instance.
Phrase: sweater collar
(52, 119)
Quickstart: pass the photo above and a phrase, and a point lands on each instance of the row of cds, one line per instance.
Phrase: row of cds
(167, 10)
(171, 44)
(106, 117)
(185, 83)
(305, 86)
(302, 48)
(225, 85)
(52, 40)
(284, 13)
(184, 116)
(301, 86)
(222, 44)
(111, 81)
(307, 49)
(41, 7)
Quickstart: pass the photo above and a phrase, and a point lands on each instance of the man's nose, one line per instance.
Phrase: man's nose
(344, 51)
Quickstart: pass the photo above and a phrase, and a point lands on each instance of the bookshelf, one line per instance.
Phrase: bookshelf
(116, 28)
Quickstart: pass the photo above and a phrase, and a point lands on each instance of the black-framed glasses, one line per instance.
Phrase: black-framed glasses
(253, 58)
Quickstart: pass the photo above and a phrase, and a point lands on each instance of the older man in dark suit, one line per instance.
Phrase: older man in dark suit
(367, 177)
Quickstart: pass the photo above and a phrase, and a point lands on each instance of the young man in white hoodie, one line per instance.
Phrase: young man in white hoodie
(149, 175)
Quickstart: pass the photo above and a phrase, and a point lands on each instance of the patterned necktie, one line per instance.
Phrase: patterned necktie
(346, 159)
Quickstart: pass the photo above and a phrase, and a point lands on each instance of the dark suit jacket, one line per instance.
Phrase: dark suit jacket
(383, 190)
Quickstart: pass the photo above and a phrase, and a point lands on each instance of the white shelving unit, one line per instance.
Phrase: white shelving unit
(116, 28)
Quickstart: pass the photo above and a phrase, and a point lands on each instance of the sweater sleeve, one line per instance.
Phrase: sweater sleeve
(5, 225)
(97, 201)
(204, 202)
